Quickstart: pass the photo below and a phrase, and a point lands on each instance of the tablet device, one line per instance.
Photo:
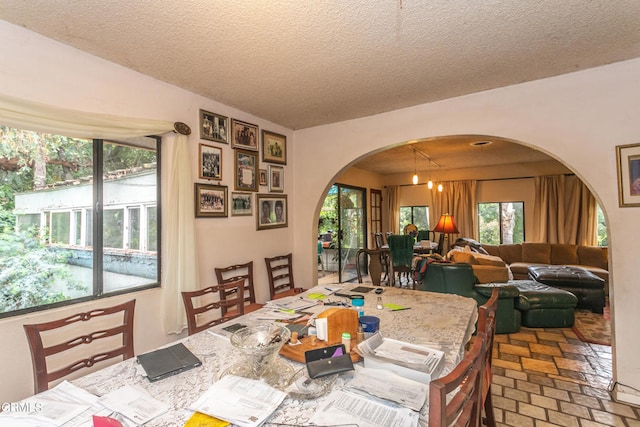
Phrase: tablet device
(168, 361)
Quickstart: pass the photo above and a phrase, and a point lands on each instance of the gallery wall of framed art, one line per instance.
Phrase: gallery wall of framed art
(255, 161)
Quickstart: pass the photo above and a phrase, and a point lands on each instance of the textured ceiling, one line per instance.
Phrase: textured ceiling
(302, 63)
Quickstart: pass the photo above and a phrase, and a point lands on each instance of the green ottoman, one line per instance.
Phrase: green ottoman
(544, 306)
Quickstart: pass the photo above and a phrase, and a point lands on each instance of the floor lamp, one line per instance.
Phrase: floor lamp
(445, 225)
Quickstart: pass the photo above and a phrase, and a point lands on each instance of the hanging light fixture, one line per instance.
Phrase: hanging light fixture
(439, 184)
(415, 174)
(430, 183)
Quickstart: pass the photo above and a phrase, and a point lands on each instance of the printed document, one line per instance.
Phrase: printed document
(387, 385)
(342, 407)
(241, 401)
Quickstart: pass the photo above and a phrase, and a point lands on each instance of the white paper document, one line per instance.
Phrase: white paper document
(342, 407)
(134, 403)
(292, 303)
(387, 385)
(241, 401)
(64, 404)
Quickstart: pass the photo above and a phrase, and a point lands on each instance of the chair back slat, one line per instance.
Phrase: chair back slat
(464, 407)
(194, 312)
(487, 314)
(234, 273)
(42, 354)
(280, 275)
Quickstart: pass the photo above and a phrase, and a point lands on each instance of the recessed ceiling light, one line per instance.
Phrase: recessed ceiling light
(480, 143)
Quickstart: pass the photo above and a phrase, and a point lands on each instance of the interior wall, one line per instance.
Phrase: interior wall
(39, 69)
(577, 118)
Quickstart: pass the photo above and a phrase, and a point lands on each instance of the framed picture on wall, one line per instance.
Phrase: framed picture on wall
(263, 177)
(274, 148)
(276, 179)
(628, 159)
(271, 211)
(241, 204)
(244, 135)
(210, 162)
(246, 177)
(211, 200)
(214, 127)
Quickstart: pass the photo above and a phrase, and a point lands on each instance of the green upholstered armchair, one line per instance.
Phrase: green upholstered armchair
(401, 250)
(458, 278)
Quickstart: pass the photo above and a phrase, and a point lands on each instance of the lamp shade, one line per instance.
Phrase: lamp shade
(446, 224)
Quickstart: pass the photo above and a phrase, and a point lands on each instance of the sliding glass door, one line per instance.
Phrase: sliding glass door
(344, 217)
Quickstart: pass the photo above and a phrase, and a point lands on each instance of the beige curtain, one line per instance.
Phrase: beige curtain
(393, 205)
(548, 212)
(565, 211)
(457, 198)
(581, 219)
(179, 264)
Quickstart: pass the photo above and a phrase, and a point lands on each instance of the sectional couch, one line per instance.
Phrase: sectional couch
(519, 257)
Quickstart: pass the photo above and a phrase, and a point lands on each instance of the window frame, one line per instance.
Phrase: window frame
(500, 233)
(412, 207)
(94, 214)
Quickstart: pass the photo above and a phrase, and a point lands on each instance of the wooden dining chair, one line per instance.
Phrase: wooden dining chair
(234, 273)
(194, 314)
(464, 384)
(487, 324)
(103, 326)
(280, 275)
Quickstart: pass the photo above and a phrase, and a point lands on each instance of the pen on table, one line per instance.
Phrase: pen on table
(400, 309)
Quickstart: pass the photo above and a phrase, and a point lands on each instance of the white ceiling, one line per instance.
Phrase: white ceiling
(303, 63)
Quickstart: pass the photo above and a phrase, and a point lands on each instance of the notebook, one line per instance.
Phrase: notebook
(164, 362)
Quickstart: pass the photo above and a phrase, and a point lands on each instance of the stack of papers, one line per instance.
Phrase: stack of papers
(241, 401)
(293, 303)
(342, 407)
(411, 361)
(389, 386)
(69, 405)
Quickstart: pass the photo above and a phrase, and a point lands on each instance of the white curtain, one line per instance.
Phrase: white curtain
(180, 261)
(180, 258)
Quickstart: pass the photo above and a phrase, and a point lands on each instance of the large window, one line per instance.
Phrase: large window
(78, 218)
(417, 215)
(501, 222)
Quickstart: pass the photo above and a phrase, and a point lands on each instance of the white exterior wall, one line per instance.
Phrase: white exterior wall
(577, 118)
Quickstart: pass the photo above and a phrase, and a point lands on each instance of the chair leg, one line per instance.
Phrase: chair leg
(488, 410)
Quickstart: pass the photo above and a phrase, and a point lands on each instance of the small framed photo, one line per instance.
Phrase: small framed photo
(241, 204)
(246, 178)
(276, 179)
(272, 211)
(210, 162)
(214, 127)
(274, 148)
(244, 135)
(263, 177)
(211, 200)
(628, 159)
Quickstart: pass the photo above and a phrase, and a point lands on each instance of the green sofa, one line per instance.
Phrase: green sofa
(520, 302)
(458, 278)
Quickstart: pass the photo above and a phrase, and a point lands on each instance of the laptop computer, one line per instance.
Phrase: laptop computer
(168, 361)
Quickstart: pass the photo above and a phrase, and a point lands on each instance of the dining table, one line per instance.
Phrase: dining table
(442, 321)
